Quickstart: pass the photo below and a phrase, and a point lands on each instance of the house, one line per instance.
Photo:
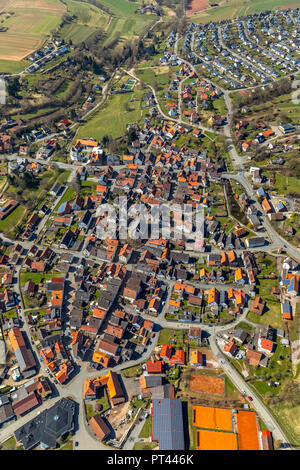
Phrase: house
(55, 190)
(99, 427)
(8, 208)
(255, 242)
(112, 384)
(258, 305)
(178, 358)
(230, 348)
(254, 357)
(266, 206)
(286, 311)
(197, 358)
(266, 345)
(132, 289)
(6, 413)
(166, 351)
(195, 333)
(154, 367)
(125, 253)
(24, 355)
(240, 335)
(239, 276)
(266, 440)
(213, 297)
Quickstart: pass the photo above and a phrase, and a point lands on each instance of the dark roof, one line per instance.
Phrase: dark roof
(25, 358)
(167, 424)
(47, 427)
(153, 380)
(6, 412)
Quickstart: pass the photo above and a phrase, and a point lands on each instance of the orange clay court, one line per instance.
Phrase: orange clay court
(247, 430)
(212, 418)
(216, 440)
(207, 384)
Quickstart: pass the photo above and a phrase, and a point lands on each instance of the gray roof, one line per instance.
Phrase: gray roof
(153, 380)
(25, 358)
(47, 427)
(6, 413)
(167, 427)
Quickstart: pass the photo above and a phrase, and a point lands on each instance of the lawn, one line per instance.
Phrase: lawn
(173, 337)
(36, 277)
(68, 196)
(151, 76)
(68, 446)
(12, 219)
(264, 389)
(147, 428)
(134, 371)
(286, 184)
(288, 418)
(272, 316)
(112, 119)
(11, 444)
(245, 326)
(103, 400)
(145, 445)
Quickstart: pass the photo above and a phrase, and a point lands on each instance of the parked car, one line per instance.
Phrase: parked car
(250, 398)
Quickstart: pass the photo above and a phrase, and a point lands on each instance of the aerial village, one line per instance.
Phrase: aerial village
(155, 335)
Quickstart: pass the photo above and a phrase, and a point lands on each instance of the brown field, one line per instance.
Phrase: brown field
(196, 5)
(41, 5)
(27, 26)
(207, 384)
(18, 46)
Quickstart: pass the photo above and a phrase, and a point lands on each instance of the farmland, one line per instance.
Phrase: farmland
(234, 8)
(27, 26)
(88, 19)
(124, 21)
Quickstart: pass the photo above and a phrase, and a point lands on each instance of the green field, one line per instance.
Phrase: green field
(124, 21)
(12, 219)
(88, 19)
(113, 118)
(235, 8)
(285, 184)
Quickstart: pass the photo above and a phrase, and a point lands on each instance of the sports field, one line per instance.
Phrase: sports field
(234, 8)
(28, 23)
(207, 384)
(216, 440)
(212, 418)
(247, 430)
